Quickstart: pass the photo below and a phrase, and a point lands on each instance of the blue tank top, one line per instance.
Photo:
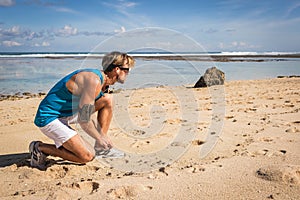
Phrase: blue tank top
(60, 102)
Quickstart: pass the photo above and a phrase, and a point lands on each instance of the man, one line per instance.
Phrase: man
(74, 99)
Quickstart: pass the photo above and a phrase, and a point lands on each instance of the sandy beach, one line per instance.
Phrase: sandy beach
(250, 133)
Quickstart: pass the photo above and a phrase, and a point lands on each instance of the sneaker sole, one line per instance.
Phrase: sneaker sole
(31, 150)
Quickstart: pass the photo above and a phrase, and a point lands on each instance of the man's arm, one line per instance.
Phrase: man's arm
(90, 87)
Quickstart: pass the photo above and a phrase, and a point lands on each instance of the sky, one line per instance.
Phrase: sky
(94, 25)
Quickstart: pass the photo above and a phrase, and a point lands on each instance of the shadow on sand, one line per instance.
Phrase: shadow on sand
(20, 159)
(23, 159)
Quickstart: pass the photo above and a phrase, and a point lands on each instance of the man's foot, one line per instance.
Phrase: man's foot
(109, 153)
(37, 158)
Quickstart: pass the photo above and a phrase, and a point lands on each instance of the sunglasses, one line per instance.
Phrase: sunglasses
(125, 69)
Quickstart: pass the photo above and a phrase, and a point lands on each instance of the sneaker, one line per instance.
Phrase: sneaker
(109, 153)
(38, 158)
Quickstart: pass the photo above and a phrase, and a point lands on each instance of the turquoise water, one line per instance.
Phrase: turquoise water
(40, 74)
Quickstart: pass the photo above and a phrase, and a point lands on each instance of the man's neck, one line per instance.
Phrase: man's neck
(107, 80)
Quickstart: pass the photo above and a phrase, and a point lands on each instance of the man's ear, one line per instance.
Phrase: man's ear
(117, 69)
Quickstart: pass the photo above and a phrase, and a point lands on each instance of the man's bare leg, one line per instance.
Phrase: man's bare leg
(104, 116)
(75, 150)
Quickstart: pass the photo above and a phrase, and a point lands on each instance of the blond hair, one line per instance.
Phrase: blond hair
(116, 59)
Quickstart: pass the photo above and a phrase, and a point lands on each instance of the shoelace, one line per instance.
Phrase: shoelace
(102, 152)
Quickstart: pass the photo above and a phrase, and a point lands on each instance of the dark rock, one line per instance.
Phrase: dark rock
(282, 76)
(41, 94)
(291, 76)
(294, 76)
(212, 76)
(27, 94)
(200, 83)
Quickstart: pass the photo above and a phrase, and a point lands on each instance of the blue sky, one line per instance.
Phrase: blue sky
(78, 25)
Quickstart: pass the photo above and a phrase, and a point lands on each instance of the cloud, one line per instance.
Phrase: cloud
(230, 30)
(292, 9)
(42, 3)
(13, 31)
(7, 3)
(96, 33)
(65, 10)
(30, 35)
(24, 36)
(211, 30)
(55, 5)
(121, 30)
(17, 32)
(43, 44)
(128, 4)
(237, 45)
(11, 43)
(120, 6)
(67, 31)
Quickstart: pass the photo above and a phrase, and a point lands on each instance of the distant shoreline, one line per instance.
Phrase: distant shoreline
(203, 58)
(213, 56)
(224, 58)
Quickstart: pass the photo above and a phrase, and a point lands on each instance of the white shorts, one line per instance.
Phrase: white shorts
(59, 130)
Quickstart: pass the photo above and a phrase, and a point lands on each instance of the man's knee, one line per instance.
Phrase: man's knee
(108, 100)
(87, 157)
(104, 102)
(89, 154)
(80, 148)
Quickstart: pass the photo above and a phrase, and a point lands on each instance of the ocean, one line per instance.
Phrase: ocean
(38, 72)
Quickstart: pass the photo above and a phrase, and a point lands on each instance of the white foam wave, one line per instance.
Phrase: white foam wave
(152, 54)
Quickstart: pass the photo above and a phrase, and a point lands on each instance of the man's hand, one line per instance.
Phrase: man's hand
(103, 143)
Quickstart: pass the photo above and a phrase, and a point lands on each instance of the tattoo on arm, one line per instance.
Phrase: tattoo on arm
(85, 112)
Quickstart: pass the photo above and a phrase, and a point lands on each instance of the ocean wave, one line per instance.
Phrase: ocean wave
(48, 55)
(253, 53)
(139, 54)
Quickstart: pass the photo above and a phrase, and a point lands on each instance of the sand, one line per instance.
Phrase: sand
(240, 141)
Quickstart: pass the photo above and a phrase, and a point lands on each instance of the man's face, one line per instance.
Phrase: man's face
(123, 72)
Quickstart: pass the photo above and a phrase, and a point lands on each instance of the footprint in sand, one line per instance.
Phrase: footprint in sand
(72, 190)
(61, 171)
(292, 130)
(198, 142)
(174, 121)
(262, 152)
(266, 139)
(229, 117)
(266, 152)
(88, 187)
(137, 132)
(139, 144)
(179, 144)
(128, 192)
(289, 174)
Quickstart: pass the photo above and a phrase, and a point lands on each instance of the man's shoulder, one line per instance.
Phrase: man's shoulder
(89, 77)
